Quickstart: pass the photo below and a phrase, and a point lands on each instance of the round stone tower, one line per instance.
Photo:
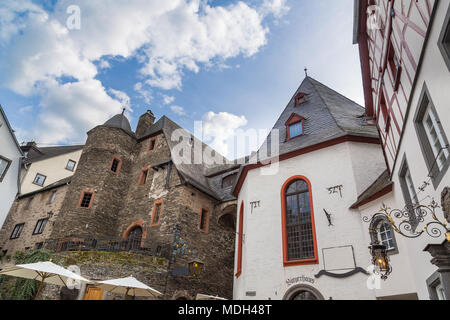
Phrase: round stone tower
(99, 186)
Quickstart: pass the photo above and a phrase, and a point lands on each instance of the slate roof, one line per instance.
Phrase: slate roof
(377, 186)
(120, 121)
(327, 115)
(41, 153)
(194, 174)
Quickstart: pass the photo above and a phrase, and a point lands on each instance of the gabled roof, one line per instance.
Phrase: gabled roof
(8, 125)
(381, 186)
(194, 173)
(328, 115)
(42, 153)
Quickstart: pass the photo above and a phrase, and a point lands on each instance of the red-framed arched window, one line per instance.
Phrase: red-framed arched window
(240, 241)
(297, 217)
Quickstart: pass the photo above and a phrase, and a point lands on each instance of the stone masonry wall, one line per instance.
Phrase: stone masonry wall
(38, 209)
(94, 173)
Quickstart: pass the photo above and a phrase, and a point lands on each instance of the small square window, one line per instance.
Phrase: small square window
(116, 164)
(86, 199)
(152, 144)
(143, 177)
(4, 165)
(71, 165)
(39, 179)
(40, 225)
(156, 214)
(204, 221)
(295, 130)
(17, 230)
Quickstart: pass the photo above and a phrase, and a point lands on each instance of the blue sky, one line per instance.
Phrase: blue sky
(234, 64)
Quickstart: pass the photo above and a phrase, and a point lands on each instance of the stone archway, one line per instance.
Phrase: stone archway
(303, 292)
(137, 233)
(227, 215)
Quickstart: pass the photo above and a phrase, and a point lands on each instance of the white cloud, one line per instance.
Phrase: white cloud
(178, 110)
(277, 8)
(168, 99)
(25, 109)
(146, 94)
(218, 128)
(168, 38)
(103, 64)
(90, 106)
(122, 97)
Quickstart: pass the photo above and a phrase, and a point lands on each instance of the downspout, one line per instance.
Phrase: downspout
(19, 184)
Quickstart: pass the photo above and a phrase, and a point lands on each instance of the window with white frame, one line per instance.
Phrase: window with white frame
(432, 138)
(71, 165)
(39, 179)
(435, 137)
(409, 193)
(385, 235)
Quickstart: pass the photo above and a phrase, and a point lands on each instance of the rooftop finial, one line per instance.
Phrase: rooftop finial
(306, 71)
(123, 110)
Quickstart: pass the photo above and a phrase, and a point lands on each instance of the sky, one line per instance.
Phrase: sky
(67, 66)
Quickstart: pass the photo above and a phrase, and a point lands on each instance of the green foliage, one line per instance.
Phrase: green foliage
(25, 289)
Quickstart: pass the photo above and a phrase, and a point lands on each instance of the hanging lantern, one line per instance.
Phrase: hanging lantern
(196, 267)
(380, 260)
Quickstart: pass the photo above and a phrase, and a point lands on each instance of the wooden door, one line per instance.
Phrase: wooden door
(93, 293)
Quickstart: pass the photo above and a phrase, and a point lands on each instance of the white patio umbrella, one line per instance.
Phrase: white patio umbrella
(201, 296)
(45, 271)
(128, 286)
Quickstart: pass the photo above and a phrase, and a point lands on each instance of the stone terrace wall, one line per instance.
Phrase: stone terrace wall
(38, 209)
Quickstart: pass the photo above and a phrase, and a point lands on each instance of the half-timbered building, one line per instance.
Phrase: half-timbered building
(405, 61)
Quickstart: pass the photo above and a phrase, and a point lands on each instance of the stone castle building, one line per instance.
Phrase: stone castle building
(137, 191)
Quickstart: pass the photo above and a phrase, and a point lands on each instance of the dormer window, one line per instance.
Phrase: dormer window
(300, 98)
(294, 126)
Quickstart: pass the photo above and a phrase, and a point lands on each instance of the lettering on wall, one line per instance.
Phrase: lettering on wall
(336, 189)
(299, 279)
(254, 204)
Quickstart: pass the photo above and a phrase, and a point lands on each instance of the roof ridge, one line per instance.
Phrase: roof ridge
(326, 105)
(340, 94)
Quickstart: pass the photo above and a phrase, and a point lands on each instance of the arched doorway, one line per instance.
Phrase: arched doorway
(303, 292)
(134, 239)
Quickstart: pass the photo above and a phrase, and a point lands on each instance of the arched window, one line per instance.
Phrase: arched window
(381, 231)
(303, 292)
(134, 239)
(299, 236)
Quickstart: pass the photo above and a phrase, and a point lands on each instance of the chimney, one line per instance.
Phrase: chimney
(145, 122)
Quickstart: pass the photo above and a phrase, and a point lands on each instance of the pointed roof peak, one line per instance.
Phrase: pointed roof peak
(119, 121)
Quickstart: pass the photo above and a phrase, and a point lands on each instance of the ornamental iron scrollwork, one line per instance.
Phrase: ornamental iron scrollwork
(411, 217)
